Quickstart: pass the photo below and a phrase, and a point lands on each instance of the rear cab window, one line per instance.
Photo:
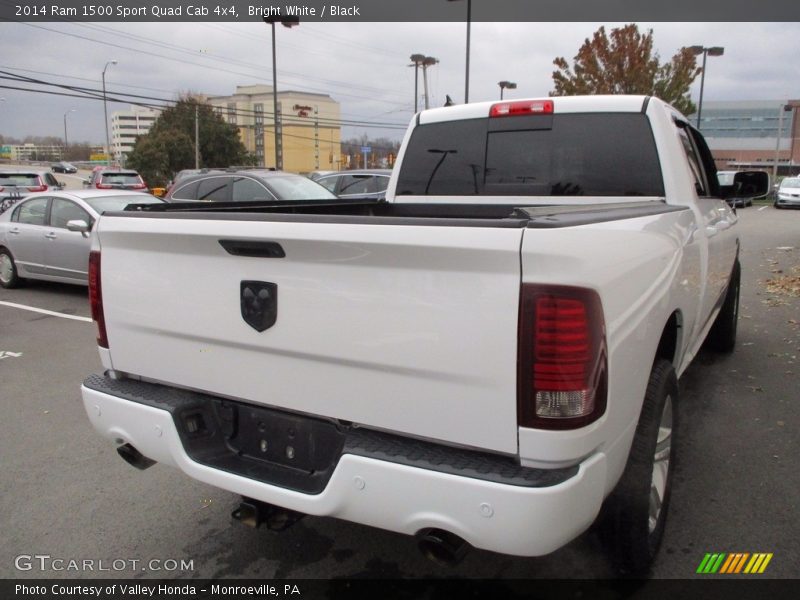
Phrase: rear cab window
(571, 154)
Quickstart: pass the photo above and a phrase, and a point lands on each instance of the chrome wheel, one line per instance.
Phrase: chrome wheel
(661, 458)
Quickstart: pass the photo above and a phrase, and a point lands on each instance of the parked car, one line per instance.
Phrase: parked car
(63, 167)
(103, 178)
(45, 236)
(369, 184)
(18, 183)
(246, 185)
(788, 193)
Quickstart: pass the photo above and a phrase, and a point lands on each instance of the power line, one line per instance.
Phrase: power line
(124, 85)
(161, 56)
(92, 93)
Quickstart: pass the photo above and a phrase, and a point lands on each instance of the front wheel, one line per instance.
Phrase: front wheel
(636, 512)
(8, 270)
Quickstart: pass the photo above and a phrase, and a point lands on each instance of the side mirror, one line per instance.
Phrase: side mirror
(79, 225)
(747, 184)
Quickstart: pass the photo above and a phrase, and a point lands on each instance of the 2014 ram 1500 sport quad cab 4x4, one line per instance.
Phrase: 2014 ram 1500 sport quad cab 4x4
(489, 356)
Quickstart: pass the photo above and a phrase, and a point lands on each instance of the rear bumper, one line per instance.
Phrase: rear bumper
(377, 490)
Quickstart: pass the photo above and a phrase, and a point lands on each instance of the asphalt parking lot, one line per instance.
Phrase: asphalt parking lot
(67, 494)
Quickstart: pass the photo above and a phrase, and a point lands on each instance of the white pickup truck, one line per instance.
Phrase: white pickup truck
(488, 358)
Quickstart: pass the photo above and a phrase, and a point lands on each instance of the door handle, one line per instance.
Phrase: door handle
(13, 231)
(50, 236)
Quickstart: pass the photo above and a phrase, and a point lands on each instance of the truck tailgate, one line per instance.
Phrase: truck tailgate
(404, 327)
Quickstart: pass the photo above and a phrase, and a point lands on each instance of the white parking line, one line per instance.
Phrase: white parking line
(762, 208)
(46, 312)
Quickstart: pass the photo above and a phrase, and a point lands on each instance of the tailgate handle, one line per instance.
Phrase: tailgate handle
(255, 249)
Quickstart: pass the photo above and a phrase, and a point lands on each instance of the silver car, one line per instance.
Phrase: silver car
(788, 193)
(46, 235)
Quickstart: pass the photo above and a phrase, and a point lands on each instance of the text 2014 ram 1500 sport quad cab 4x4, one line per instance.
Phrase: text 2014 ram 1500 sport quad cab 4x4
(489, 357)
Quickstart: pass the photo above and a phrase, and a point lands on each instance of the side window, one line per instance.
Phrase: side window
(214, 189)
(707, 161)
(328, 183)
(357, 184)
(186, 192)
(50, 179)
(381, 183)
(63, 211)
(694, 162)
(32, 212)
(249, 190)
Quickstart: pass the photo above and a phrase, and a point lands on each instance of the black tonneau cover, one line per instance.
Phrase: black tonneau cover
(378, 212)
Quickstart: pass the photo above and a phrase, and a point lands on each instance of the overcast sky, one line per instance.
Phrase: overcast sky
(364, 66)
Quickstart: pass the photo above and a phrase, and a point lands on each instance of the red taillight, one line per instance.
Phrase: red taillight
(38, 188)
(562, 357)
(522, 107)
(139, 186)
(103, 186)
(96, 299)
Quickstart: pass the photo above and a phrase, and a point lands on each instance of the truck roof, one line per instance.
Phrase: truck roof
(561, 104)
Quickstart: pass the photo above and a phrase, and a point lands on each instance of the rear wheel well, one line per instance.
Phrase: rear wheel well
(668, 344)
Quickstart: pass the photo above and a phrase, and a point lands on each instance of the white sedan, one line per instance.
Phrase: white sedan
(46, 235)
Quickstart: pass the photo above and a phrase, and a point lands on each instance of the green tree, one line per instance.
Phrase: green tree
(169, 145)
(625, 63)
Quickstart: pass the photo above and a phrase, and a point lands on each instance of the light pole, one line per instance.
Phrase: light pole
(105, 112)
(466, 77)
(698, 50)
(417, 60)
(428, 62)
(784, 108)
(425, 62)
(286, 22)
(506, 85)
(66, 143)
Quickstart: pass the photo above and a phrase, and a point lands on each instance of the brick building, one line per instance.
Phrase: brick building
(751, 134)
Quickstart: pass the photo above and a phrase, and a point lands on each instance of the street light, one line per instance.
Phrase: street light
(66, 143)
(105, 112)
(506, 85)
(417, 60)
(428, 62)
(466, 77)
(286, 22)
(698, 50)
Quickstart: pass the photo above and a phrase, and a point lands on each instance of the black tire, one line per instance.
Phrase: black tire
(635, 514)
(722, 337)
(9, 278)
